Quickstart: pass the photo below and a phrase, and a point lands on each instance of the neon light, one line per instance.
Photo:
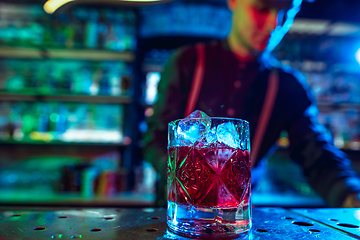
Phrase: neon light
(51, 5)
(357, 56)
(279, 32)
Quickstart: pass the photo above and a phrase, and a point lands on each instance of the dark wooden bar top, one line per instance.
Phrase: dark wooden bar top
(150, 223)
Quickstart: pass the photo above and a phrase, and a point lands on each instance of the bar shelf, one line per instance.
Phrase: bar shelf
(337, 106)
(62, 143)
(76, 54)
(125, 199)
(8, 96)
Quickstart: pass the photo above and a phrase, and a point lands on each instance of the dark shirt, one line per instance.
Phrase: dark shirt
(326, 167)
(224, 92)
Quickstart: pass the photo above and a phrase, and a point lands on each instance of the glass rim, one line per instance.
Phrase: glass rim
(225, 118)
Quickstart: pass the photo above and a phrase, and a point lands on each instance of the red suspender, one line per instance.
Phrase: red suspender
(268, 105)
(197, 79)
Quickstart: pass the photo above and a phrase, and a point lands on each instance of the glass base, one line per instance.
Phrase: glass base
(208, 223)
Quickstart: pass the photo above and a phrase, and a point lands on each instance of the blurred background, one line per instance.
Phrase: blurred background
(77, 83)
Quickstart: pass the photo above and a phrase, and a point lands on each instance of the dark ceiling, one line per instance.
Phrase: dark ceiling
(336, 10)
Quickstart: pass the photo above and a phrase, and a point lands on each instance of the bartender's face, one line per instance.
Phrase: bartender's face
(254, 20)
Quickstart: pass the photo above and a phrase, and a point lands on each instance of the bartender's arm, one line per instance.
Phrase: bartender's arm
(327, 169)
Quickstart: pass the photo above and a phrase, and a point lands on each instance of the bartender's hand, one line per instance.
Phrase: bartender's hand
(352, 201)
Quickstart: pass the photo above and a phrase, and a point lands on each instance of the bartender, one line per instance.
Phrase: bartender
(236, 77)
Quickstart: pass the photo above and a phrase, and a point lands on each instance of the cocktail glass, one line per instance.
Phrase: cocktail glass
(209, 177)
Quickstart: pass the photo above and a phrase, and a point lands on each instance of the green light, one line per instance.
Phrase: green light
(76, 236)
(184, 189)
(54, 117)
(41, 221)
(57, 236)
(305, 189)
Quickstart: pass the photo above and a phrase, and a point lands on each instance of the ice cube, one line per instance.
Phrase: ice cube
(227, 134)
(197, 114)
(192, 128)
(206, 139)
(211, 136)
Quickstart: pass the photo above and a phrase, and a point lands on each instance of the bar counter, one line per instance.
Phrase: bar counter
(150, 223)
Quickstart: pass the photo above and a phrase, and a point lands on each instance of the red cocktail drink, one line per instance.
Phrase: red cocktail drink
(209, 178)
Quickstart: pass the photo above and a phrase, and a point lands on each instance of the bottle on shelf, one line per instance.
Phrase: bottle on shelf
(29, 120)
(125, 84)
(79, 27)
(66, 82)
(102, 30)
(61, 123)
(5, 109)
(49, 80)
(74, 77)
(15, 123)
(50, 121)
(91, 30)
(104, 84)
(12, 81)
